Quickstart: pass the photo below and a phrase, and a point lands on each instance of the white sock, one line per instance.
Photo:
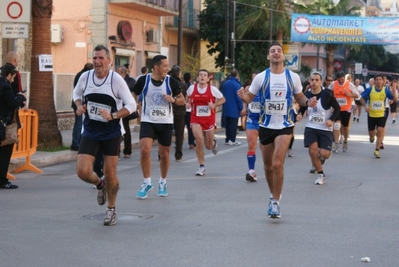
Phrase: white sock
(162, 180)
(147, 180)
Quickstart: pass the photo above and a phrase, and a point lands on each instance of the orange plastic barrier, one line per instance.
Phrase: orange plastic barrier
(27, 144)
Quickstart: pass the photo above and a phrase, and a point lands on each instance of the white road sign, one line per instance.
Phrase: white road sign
(15, 11)
(15, 30)
(358, 68)
(45, 63)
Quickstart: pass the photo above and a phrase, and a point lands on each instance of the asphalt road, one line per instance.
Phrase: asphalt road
(53, 219)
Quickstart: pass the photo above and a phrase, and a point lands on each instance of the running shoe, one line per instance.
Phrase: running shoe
(341, 139)
(290, 153)
(371, 139)
(357, 120)
(382, 146)
(102, 178)
(354, 118)
(236, 143)
(251, 176)
(229, 143)
(274, 210)
(110, 217)
(320, 180)
(162, 189)
(345, 147)
(377, 154)
(215, 147)
(144, 190)
(101, 196)
(313, 170)
(393, 121)
(322, 160)
(335, 148)
(200, 172)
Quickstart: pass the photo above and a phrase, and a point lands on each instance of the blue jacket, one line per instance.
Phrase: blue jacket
(233, 105)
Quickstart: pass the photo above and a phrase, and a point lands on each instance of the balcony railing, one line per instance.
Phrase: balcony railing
(190, 19)
(168, 4)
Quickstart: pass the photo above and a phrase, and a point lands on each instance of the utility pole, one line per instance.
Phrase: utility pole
(180, 33)
(233, 27)
(227, 38)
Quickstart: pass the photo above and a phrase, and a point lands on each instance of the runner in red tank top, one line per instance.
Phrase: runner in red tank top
(203, 99)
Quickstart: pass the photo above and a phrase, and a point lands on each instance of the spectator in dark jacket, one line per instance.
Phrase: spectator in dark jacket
(191, 139)
(179, 114)
(127, 137)
(232, 108)
(12, 59)
(9, 104)
(77, 125)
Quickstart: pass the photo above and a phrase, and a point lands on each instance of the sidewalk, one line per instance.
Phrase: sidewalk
(43, 159)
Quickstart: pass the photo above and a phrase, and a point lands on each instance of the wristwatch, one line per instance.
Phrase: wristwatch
(114, 116)
(175, 99)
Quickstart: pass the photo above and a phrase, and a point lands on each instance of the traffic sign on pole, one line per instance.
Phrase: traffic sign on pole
(358, 68)
(15, 11)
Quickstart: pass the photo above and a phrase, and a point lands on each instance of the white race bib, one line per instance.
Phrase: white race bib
(377, 105)
(158, 113)
(341, 101)
(93, 109)
(254, 107)
(276, 107)
(316, 118)
(203, 111)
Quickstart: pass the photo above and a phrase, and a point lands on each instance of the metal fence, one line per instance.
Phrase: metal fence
(62, 86)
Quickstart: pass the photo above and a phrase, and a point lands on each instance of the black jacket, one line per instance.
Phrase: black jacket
(8, 101)
(180, 110)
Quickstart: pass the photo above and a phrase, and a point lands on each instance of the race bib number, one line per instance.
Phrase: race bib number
(93, 109)
(318, 119)
(203, 111)
(254, 107)
(341, 101)
(158, 113)
(276, 107)
(377, 105)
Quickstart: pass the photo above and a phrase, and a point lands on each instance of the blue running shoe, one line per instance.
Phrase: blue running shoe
(274, 210)
(162, 189)
(269, 210)
(145, 188)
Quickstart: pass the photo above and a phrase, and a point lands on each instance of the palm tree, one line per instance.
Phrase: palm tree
(327, 7)
(41, 94)
(372, 56)
(258, 20)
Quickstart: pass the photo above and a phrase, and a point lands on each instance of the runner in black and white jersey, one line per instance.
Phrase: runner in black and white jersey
(99, 95)
(158, 91)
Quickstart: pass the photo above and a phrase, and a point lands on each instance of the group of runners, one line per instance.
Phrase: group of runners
(103, 97)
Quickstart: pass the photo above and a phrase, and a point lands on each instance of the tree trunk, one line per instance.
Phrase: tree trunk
(330, 59)
(41, 96)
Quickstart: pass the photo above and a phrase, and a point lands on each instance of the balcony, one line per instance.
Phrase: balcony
(153, 7)
(190, 22)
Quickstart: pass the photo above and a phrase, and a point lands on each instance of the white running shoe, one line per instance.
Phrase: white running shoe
(200, 172)
(251, 176)
(320, 180)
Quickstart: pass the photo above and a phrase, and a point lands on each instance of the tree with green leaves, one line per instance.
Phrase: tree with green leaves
(372, 56)
(252, 31)
(392, 63)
